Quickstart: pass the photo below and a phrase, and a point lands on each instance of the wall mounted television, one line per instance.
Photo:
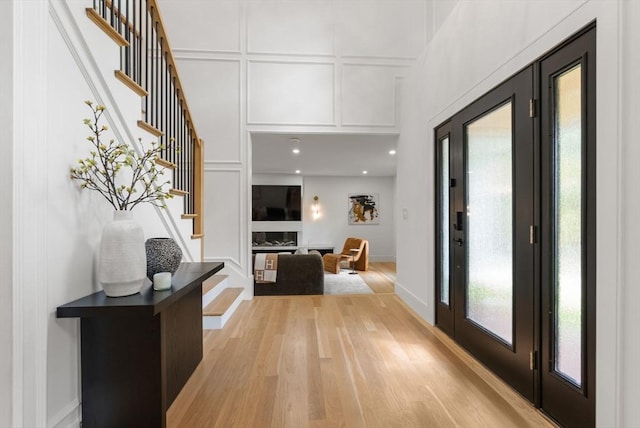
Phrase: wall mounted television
(276, 203)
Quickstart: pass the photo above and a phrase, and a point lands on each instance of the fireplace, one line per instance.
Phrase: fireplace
(274, 239)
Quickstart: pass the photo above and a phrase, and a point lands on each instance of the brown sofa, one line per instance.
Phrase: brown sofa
(297, 274)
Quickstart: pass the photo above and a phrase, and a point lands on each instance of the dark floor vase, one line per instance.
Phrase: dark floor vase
(163, 255)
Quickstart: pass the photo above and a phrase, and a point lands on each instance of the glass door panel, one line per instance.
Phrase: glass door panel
(444, 226)
(568, 202)
(489, 213)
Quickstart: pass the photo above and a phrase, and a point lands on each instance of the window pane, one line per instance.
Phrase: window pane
(444, 221)
(489, 222)
(568, 223)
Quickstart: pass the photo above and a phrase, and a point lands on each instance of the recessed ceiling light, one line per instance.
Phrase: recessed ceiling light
(297, 171)
(392, 152)
(296, 151)
(365, 172)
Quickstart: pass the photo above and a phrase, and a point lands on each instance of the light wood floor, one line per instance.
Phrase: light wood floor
(381, 277)
(341, 361)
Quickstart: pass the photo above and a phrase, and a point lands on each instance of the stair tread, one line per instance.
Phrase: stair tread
(178, 192)
(210, 283)
(220, 304)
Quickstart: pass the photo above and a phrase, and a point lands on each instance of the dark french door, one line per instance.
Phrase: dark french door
(488, 304)
(516, 230)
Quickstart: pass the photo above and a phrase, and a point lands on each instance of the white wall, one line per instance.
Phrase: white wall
(6, 214)
(331, 226)
(477, 47)
(284, 66)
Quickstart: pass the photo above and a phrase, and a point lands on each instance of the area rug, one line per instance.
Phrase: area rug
(345, 283)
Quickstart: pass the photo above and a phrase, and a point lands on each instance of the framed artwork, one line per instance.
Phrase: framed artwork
(363, 208)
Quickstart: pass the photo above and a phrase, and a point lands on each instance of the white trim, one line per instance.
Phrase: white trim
(30, 202)
(618, 393)
(73, 408)
(415, 303)
(210, 165)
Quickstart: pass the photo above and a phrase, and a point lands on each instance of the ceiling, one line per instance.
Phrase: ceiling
(324, 154)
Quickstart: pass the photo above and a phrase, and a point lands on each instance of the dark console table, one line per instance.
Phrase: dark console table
(138, 351)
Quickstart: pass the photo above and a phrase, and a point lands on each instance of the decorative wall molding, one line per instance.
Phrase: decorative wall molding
(174, 27)
(210, 165)
(396, 61)
(237, 126)
(202, 57)
(394, 107)
(315, 129)
(213, 55)
(232, 255)
(250, 91)
(293, 55)
(247, 39)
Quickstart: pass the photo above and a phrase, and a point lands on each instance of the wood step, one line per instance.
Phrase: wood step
(221, 303)
(152, 130)
(210, 283)
(197, 236)
(130, 83)
(188, 216)
(178, 192)
(106, 27)
(165, 163)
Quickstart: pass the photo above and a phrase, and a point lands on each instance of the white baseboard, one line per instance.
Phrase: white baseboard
(382, 258)
(419, 307)
(69, 416)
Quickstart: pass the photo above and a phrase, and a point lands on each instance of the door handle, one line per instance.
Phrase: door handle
(458, 224)
(459, 241)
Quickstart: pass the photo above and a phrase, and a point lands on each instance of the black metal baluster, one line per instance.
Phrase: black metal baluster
(187, 169)
(157, 78)
(134, 51)
(146, 62)
(189, 174)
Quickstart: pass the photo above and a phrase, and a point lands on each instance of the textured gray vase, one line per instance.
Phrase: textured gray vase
(163, 255)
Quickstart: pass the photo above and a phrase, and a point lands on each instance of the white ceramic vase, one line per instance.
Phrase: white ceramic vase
(122, 263)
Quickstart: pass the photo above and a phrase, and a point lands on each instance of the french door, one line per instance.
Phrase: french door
(488, 303)
(516, 230)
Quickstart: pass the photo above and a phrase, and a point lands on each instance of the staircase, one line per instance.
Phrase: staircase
(219, 302)
(149, 70)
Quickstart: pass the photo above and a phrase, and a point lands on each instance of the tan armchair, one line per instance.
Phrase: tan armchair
(360, 260)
